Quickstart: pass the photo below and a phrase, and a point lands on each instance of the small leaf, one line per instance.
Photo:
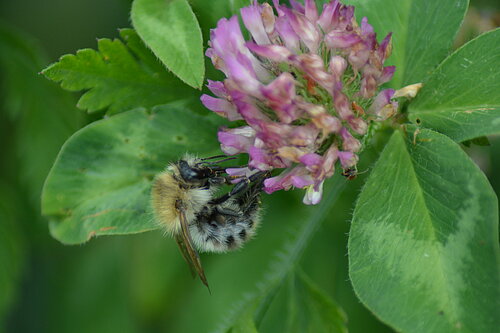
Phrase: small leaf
(172, 32)
(117, 78)
(423, 32)
(100, 182)
(319, 313)
(423, 246)
(462, 98)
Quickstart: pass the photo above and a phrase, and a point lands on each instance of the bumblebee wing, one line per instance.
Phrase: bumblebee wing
(182, 246)
(188, 251)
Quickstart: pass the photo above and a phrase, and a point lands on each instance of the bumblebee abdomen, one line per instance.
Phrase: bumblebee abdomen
(222, 231)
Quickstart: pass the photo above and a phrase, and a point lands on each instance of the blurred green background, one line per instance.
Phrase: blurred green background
(138, 283)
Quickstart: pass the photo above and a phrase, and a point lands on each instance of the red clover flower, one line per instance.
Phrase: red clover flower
(304, 89)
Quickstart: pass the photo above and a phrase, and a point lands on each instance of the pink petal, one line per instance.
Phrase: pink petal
(347, 159)
(311, 159)
(311, 11)
(330, 16)
(384, 49)
(277, 5)
(252, 115)
(313, 66)
(297, 6)
(305, 135)
(342, 105)
(253, 22)
(301, 181)
(217, 88)
(275, 53)
(359, 58)
(366, 29)
(342, 39)
(387, 74)
(241, 71)
(268, 19)
(287, 34)
(313, 195)
(349, 143)
(306, 31)
(240, 173)
(260, 159)
(368, 86)
(358, 125)
(338, 66)
(329, 160)
(382, 99)
(236, 140)
(221, 106)
(280, 95)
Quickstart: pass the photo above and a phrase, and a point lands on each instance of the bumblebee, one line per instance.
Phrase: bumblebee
(184, 203)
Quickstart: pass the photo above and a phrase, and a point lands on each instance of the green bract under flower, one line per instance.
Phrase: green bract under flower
(306, 86)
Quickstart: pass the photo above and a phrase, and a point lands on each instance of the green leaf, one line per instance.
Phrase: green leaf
(314, 310)
(245, 323)
(462, 98)
(172, 32)
(117, 77)
(100, 182)
(288, 259)
(423, 32)
(423, 246)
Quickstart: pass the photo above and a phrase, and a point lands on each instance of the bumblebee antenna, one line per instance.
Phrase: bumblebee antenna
(212, 157)
(219, 161)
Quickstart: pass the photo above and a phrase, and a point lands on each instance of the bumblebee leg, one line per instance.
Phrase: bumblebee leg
(241, 186)
(217, 180)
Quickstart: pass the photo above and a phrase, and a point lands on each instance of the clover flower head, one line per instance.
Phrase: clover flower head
(305, 86)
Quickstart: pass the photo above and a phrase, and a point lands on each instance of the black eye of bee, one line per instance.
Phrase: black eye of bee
(189, 173)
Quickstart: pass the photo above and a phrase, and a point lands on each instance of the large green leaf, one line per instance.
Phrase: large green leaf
(118, 77)
(100, 182)
(172, 32)
(462, 97)
(423, 246)
(258, 302)
(423, 32)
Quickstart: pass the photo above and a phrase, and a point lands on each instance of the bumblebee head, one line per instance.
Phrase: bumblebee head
(193, 173)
